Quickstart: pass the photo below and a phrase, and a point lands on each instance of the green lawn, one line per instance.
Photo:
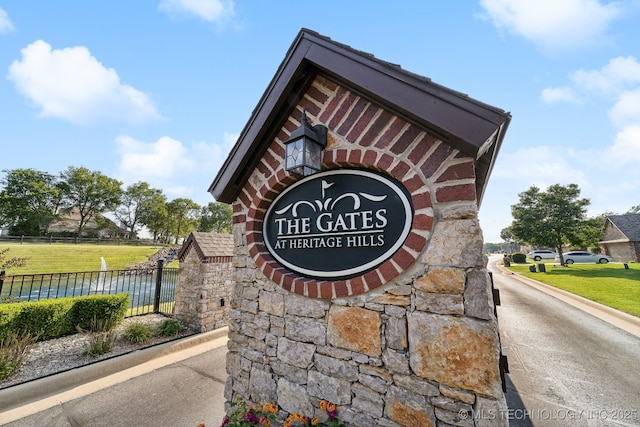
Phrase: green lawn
(67, 257)
(609, 284)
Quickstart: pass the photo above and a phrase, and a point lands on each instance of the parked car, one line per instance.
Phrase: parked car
(583, 257)
(541, 254)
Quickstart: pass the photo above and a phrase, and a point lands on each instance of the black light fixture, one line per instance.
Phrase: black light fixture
(304, 148)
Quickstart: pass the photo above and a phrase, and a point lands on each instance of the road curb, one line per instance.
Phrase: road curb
(624, 321)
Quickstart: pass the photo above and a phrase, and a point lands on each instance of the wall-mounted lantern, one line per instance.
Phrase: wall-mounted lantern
(304, 148)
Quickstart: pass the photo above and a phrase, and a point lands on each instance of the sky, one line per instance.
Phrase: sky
(159, 90)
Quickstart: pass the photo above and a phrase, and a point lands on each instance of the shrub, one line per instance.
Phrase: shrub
(13, 348)
(42, 320)
(139, 333)
(112, 308)
(169, 328)
(519, 258)
(102, 337)
(53, 318)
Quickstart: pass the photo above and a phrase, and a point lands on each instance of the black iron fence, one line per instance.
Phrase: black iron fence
(151, 290)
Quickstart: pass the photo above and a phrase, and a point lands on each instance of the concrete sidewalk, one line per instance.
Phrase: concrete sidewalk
(175, 384)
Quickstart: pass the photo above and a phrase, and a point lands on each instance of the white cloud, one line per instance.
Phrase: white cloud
(541, 166)
(156, 162)
(618, 74)
(180, 170)
(5, 23)
(626, 110)
(626, 148)
(216, 11)
(73, 85)
(553, 24)
(560, 94)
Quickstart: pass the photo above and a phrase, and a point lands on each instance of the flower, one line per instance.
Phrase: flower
(270, 407)
(243, 415)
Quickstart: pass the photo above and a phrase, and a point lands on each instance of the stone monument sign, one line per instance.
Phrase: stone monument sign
(363, 283)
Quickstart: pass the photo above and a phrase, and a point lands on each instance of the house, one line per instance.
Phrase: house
(97, 226)
(622, 237)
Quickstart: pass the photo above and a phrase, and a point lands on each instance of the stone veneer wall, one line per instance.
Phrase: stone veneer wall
(203, 285)
(414, 342)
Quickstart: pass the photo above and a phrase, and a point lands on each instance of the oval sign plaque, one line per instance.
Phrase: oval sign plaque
(338, 224)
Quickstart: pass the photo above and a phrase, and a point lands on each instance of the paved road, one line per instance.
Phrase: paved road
(179, 389)
(567, 367)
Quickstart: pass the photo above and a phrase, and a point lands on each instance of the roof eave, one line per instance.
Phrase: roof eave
(474, 128)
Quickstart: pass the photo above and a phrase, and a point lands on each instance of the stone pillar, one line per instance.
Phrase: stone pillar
(413, 342)
(204, 288)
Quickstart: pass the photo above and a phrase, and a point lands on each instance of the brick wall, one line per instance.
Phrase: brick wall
(413, 342)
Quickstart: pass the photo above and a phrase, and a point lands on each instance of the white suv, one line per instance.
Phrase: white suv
(541, 254)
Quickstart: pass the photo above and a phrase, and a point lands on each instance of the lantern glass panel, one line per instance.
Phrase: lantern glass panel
(295, 154)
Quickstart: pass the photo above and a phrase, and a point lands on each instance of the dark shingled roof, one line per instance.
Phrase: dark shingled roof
(628, 224)
(474, 128)
(208, 245)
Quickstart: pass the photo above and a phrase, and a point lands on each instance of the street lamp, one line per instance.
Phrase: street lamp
(304, 148)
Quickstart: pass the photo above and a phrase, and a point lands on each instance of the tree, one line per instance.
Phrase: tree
(216, 217)
(552, 218)
(90, 192)
(7, 263)
(29, 201)
(634, 209)
(155, 215)
(511, 242)
(183, 216)
(136, 203)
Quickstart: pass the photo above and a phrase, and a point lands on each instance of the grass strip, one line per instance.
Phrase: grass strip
(609, 284)
(65, 257)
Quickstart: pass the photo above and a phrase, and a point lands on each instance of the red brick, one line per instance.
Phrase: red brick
(341, 289)
(405, 140)
(403, 258)
(312, 289)
(244, 199)
(385, 162)
(372, 279)
(286, 280)
(251, 237)
(456, 192)
(400, 171)
(341, 156)
(354, 157)
(298, 287)
(414, 183)
(330, 108)
(353, 115)
(369, 157)
(395, 128)
(357, 286)
(254, 252)
(421, 200)
(270, 160)
(261, 263)
(423, 222)
(435, 160)
(415, 241)
(388, 271)
(459, 171)
(375, 130)
(344, 108)
(263, 168)
(239, 219)
(362, 123)
(326, 290)
(315, 94)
